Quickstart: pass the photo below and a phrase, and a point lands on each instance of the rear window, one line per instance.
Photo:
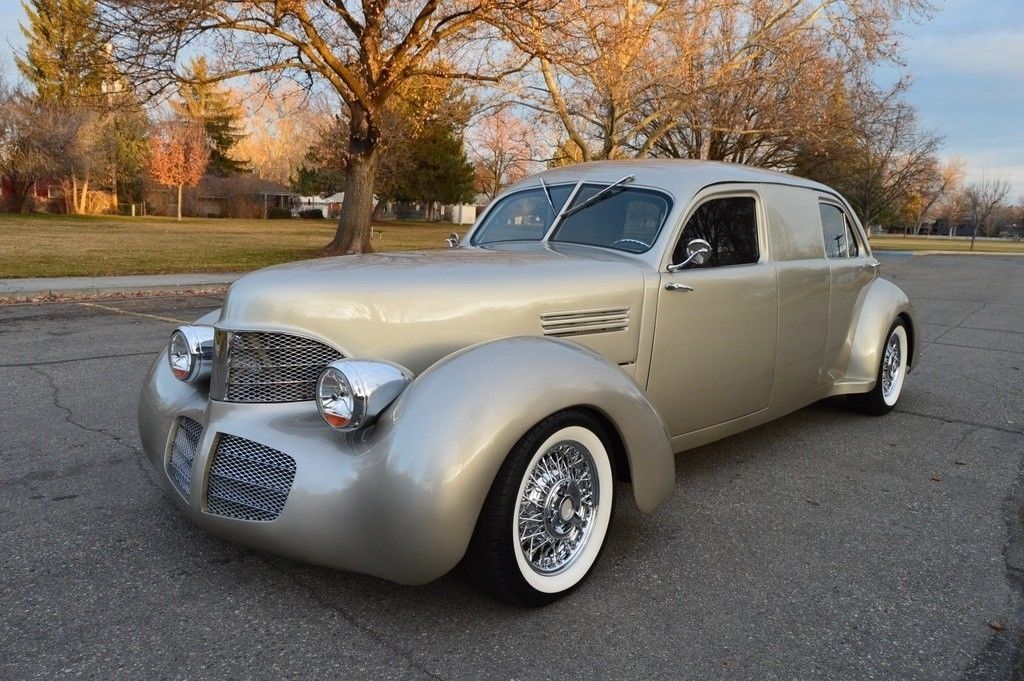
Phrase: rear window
(838, 234)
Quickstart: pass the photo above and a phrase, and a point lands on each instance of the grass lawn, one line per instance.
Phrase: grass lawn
(40, 245)
(887, 242)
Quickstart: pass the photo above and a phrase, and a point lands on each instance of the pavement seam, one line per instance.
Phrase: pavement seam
(75, 359)
(118, 310)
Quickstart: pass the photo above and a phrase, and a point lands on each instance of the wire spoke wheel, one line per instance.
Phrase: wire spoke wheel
(557, 506)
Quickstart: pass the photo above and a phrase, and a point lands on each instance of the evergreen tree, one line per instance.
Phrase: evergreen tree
(436, 169)
(210, 106)
(65, 57)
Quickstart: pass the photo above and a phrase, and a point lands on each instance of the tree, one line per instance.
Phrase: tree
(205, 103)
(877, 155)
(178, 155)
(435, 170)
(23, 155)
(365, 54)
(502, 150)
(322, 170)
(934, 185)
(64, 59)
(616, 76)
(279, 133)
(980, 201)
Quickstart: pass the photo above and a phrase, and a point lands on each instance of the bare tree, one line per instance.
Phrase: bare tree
(616, 77)
(934, 185)
(178, 155)
(501, 147)
(363, 52)
(980, 200)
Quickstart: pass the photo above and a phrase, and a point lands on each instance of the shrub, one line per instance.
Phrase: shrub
(312, 213)
(278, 214)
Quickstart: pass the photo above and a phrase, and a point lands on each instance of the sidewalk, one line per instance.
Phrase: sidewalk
(59, 286)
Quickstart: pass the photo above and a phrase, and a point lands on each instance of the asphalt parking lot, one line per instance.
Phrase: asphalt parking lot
(824, 545)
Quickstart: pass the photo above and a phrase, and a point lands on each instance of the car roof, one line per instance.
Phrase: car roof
(682, 177)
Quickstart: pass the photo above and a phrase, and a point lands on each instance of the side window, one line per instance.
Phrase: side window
(839, 239)
(729, 225)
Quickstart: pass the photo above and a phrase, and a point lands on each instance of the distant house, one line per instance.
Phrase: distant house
(238, 196)
(41, 195)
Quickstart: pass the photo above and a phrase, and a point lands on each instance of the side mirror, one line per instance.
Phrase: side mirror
(453, 240)
(696, 253)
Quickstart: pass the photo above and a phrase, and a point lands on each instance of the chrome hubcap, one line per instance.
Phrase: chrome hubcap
(891, 366)
(557, 508)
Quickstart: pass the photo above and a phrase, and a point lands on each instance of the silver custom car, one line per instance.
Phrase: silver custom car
(394, 414)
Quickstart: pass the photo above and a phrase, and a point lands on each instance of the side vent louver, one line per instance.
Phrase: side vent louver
(585, 321)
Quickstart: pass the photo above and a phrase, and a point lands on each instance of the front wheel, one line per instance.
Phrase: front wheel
(892, 372)
(544, 522)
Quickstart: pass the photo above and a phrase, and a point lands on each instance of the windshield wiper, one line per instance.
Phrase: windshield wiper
(596, 197)
(548, 194)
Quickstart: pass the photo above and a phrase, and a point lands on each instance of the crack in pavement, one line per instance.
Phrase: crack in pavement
(946, 419)
(136, 452)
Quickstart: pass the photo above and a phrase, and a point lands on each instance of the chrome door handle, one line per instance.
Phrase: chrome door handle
(673, 286)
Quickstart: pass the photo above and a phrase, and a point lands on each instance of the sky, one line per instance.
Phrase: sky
(966, 64)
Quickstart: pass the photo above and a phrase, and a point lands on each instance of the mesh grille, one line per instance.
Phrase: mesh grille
(183, 453)
(248, 480)
(274, 367)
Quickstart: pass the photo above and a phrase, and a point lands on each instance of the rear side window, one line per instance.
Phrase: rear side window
(838, 233)
(729, 225)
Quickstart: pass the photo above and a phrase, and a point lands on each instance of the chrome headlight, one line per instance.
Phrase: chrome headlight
(190, 353)
(350, 393)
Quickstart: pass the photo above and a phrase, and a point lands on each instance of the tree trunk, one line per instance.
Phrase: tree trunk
(83, 204)
(179, 202)
(73, 206)
(353, 234)
(974, 235)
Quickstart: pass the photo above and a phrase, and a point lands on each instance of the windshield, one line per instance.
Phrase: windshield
(523, 216)
(625, 218)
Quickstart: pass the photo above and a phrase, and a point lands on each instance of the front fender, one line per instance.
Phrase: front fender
(883, 302)
(445, 438)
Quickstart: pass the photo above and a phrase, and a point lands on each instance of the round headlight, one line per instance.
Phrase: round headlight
(190, 353)
(350, 393)
(334, 398)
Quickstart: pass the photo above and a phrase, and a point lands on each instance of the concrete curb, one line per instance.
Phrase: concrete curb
(74, 288)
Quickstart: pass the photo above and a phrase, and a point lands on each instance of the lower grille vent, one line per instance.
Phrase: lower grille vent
(183, 453)
(248, 481)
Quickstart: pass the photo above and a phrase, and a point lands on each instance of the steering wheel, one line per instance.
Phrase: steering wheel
(642, 244)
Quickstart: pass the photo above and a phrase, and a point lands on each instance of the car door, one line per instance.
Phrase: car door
(851, 269)
(715, 333)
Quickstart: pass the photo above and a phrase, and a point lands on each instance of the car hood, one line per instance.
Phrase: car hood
(413, 308)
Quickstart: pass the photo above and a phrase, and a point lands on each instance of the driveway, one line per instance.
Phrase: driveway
(824, 545)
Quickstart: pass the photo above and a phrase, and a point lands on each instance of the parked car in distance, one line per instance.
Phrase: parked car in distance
(393, 414)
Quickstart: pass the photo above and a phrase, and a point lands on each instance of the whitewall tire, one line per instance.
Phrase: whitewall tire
(892, 373)
(546, 517)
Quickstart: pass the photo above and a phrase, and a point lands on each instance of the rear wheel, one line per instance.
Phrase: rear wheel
(544, 522)
(892, 372)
